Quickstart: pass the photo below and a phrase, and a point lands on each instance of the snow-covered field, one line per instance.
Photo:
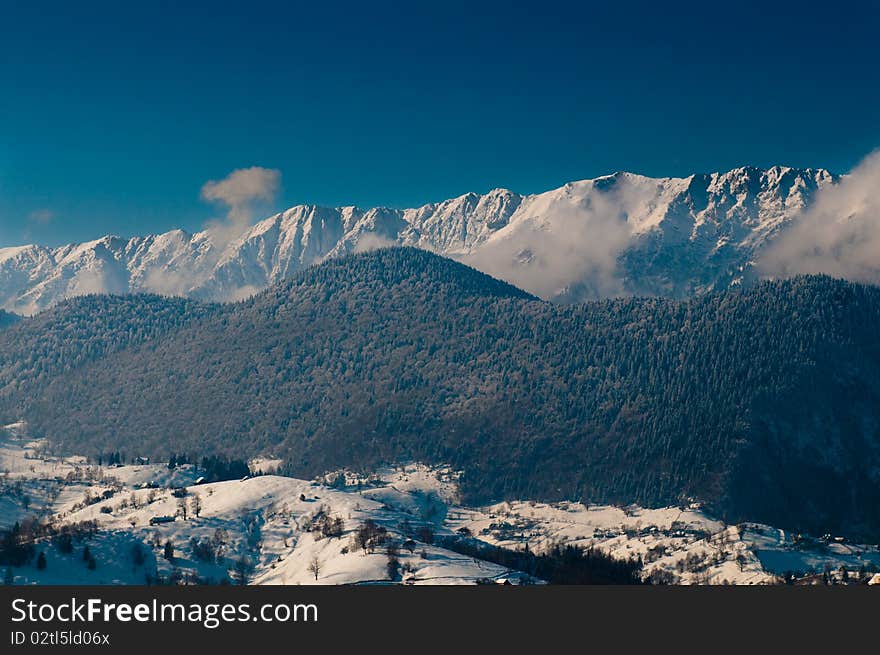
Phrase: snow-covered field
(154, 523)
(676, 545)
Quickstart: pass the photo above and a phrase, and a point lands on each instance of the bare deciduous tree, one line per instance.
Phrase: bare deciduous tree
(314, 567)
(182, 507)
(196, 505)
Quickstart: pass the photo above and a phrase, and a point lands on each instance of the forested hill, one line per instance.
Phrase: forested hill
(52, 345)
(7, 319)
(764, 403)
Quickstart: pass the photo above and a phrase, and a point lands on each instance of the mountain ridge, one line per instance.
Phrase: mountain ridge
(619, 234)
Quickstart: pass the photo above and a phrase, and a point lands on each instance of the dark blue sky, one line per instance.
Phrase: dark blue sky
(113, 115)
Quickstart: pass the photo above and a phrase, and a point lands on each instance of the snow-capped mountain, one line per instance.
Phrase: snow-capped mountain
(614, 235)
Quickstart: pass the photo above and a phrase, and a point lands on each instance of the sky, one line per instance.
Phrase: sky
(129, 117)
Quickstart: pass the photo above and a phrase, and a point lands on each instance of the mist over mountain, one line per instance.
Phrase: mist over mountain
(617, 235)
(761, 402)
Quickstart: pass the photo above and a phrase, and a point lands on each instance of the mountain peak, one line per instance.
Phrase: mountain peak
(617, 234)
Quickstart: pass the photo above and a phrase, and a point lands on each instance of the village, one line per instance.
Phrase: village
(140, 522)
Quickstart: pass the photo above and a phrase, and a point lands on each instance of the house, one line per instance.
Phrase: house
(142, 460)
(158, 520)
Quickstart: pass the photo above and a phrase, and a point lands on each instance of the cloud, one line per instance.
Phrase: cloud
(838, 234)
(565, 245)
(169, 282)
(41, 216)
(242, 293)
(98, 281)
(240, 192)
(243, 186)
(370, 241)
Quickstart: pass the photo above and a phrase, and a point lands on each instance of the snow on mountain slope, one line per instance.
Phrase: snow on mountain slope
(273, 524)
(614, 235)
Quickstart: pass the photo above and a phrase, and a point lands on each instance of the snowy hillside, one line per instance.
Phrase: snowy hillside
(129, 524)
(270, 527)
(677, 545)
(613, 235)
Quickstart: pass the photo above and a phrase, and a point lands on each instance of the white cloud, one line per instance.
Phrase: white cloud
(838, 234)
(371, 241)
(242, 293)
(243, 186)
(564, 241)
(240, 191)
(169, 283)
